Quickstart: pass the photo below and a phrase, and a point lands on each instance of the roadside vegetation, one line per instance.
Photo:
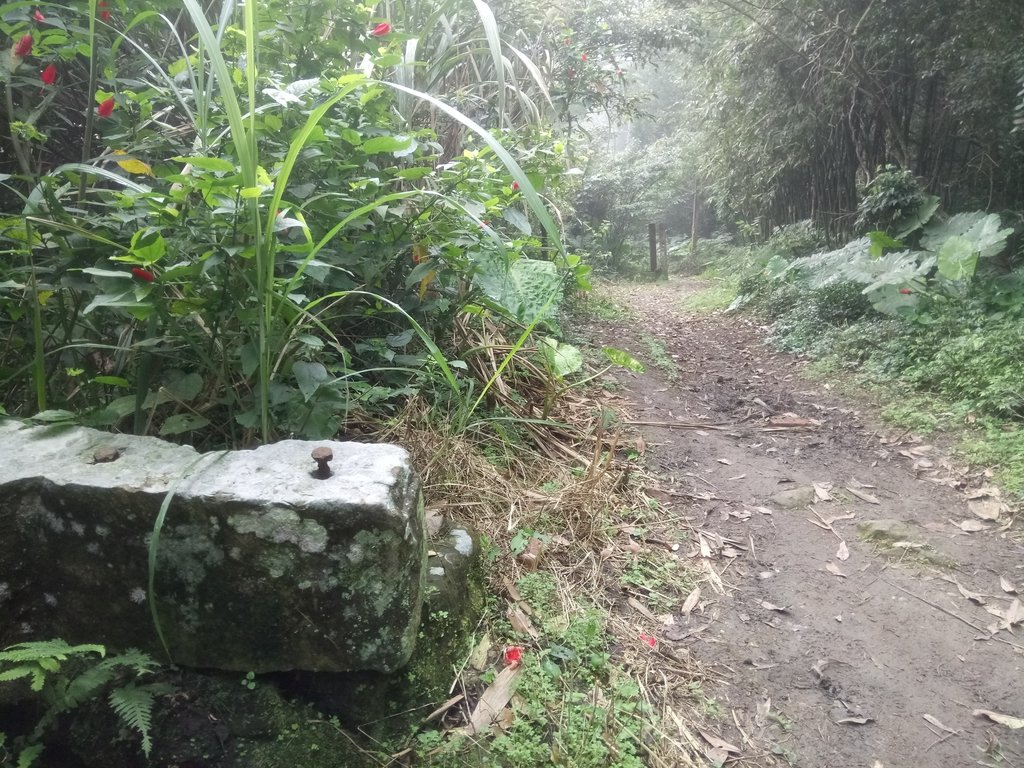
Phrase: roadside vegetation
(233, 223)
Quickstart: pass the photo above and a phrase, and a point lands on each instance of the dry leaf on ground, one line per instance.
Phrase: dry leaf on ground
(935, 721)
(1008, 720)
(834, 569)
(987, 508)
(863, 496)
(489, 707)
(691, 602)
(1007, 586)
(843, 553)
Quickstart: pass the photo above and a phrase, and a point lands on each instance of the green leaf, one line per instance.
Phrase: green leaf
(54, 416)
(524, 288)
(112, 381)
(215, 164)
(880, 243)
(518, 220)
(623, 358)
(561, 359)
(186, 388)
(183, 422)
(28, 755)
(957, 259)
(917, 219)
(309, 377)
(380, 144)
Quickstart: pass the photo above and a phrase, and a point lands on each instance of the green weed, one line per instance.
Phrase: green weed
(660, 356)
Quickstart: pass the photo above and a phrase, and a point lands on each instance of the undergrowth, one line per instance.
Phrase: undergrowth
(956, 363)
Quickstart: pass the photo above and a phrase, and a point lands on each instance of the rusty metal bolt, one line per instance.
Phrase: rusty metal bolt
(322, 456)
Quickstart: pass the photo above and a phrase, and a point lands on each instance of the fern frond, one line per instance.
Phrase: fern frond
(42, 650)
(132, 658)
(86, 685)
(28, 755)
(134, 705)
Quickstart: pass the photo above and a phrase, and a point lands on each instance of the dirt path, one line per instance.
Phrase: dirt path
(831, 651)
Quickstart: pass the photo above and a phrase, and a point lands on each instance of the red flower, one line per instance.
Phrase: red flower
(38, 16)
(513, 655)
(515, 186)
(104, 11)
(381, 29)
(23, 47)
(905, 290)
(143, 274)
(583, 57)
(649, 640)
(49, 75)
(105, 107)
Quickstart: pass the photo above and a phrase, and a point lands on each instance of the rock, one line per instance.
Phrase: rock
(794, 498)
(260, 565)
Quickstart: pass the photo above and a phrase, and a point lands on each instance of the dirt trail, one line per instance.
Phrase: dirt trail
(876, 660)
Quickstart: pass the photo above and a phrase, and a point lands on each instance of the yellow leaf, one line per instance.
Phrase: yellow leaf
(426, 281)
(133, 165)
(44, 296)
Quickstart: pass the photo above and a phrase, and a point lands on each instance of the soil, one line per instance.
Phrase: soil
(833, 643)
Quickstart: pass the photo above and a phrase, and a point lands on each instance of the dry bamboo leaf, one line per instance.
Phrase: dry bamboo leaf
(724, 461)
(641, 446)
(935, 721)
(1007, 586)
(520, 622)
(444, 707)
(821, 490)
(974, 597)
(843, 553)
(731, 552)
(1007, 720)
(772, 607)
(705, 548)
(478, 658)
(863, 496)
(834, 569)
(489, 707)
(718, 743)
(691, 602)
(854, 720)
(641, 608)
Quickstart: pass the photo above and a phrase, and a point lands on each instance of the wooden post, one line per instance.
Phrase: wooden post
(652, 240)
(693, 226)
(663, 247)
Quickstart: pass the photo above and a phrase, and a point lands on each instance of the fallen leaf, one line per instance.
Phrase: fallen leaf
(863, 496)
(935, 721)
(444, 707)
(834, 569)
(691, 602)
(980, 493)
(855, 720)
(724, 461)
(520, 622)
(478, 658)
(763, 708)
(489, 707)
(821, 490)
(1007, 720)
(705, 548)
(731, 552)
(971, 526)
(641, 446)
(1015, 613)
(1007, 586)
(974, 597)
(986, 509)
(843, 553)
(772, 607)
(718, 743)
(641, 608)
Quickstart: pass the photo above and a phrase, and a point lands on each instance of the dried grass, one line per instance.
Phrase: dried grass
(572, 480)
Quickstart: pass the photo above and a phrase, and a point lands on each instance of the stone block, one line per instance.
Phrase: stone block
(261, 565)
